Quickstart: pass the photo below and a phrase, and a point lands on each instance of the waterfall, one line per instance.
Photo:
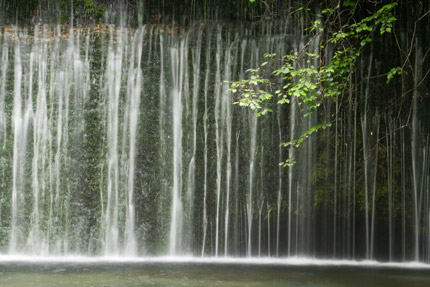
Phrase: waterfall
(179, 59)
(293, 108)
(219, 137)
(113, 81)
(249, 197)
(192, 164)
(128, 142)
(4, 66)
(205, 136)
(364, 128)
(416, 174)
(389, 141)
(279, 197)
(41, 138)
(134, 91)
(226, 102)
(17, 151)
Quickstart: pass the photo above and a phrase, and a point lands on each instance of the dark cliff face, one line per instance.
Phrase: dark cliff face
(138, 11)
(25, 12)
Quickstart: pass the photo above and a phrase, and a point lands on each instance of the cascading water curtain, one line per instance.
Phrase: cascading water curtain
(127, 142)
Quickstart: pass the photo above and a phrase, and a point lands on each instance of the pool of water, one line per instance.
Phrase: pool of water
(112, 273)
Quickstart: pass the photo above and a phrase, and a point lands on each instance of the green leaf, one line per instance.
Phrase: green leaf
(328, 10)
(394, 71)
(348, 3)
(288, 162)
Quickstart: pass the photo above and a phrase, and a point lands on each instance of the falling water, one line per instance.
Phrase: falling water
(18, 152)
(134, 91)
(389, 139)
(127, 142)
(364, 128)
(113, 80)
(290, 177)
(4, 66)
(226, 101)
(279, 197)
(179, 57)
(205, 130)
(249, 198)
(219, 136)
(415, 155)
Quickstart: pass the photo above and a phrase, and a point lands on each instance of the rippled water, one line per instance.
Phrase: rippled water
(110, 273)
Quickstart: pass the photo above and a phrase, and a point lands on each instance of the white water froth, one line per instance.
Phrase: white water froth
(287, 261)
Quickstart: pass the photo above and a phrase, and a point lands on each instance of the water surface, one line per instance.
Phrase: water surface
(112, 273)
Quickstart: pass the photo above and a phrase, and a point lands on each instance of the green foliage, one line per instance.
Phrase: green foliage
(298, 142)
(252, 96)
(288, 162)
(101, 10)
(89, 6)
(308, 77)
(349, 3)
(395, 71)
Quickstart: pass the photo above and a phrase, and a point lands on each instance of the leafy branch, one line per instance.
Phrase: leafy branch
(309, 78)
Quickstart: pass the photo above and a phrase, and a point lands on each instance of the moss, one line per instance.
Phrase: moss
(100, 12)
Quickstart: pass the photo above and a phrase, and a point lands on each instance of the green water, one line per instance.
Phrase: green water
(190, 274)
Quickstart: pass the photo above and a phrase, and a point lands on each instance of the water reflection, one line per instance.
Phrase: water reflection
(112, 274)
